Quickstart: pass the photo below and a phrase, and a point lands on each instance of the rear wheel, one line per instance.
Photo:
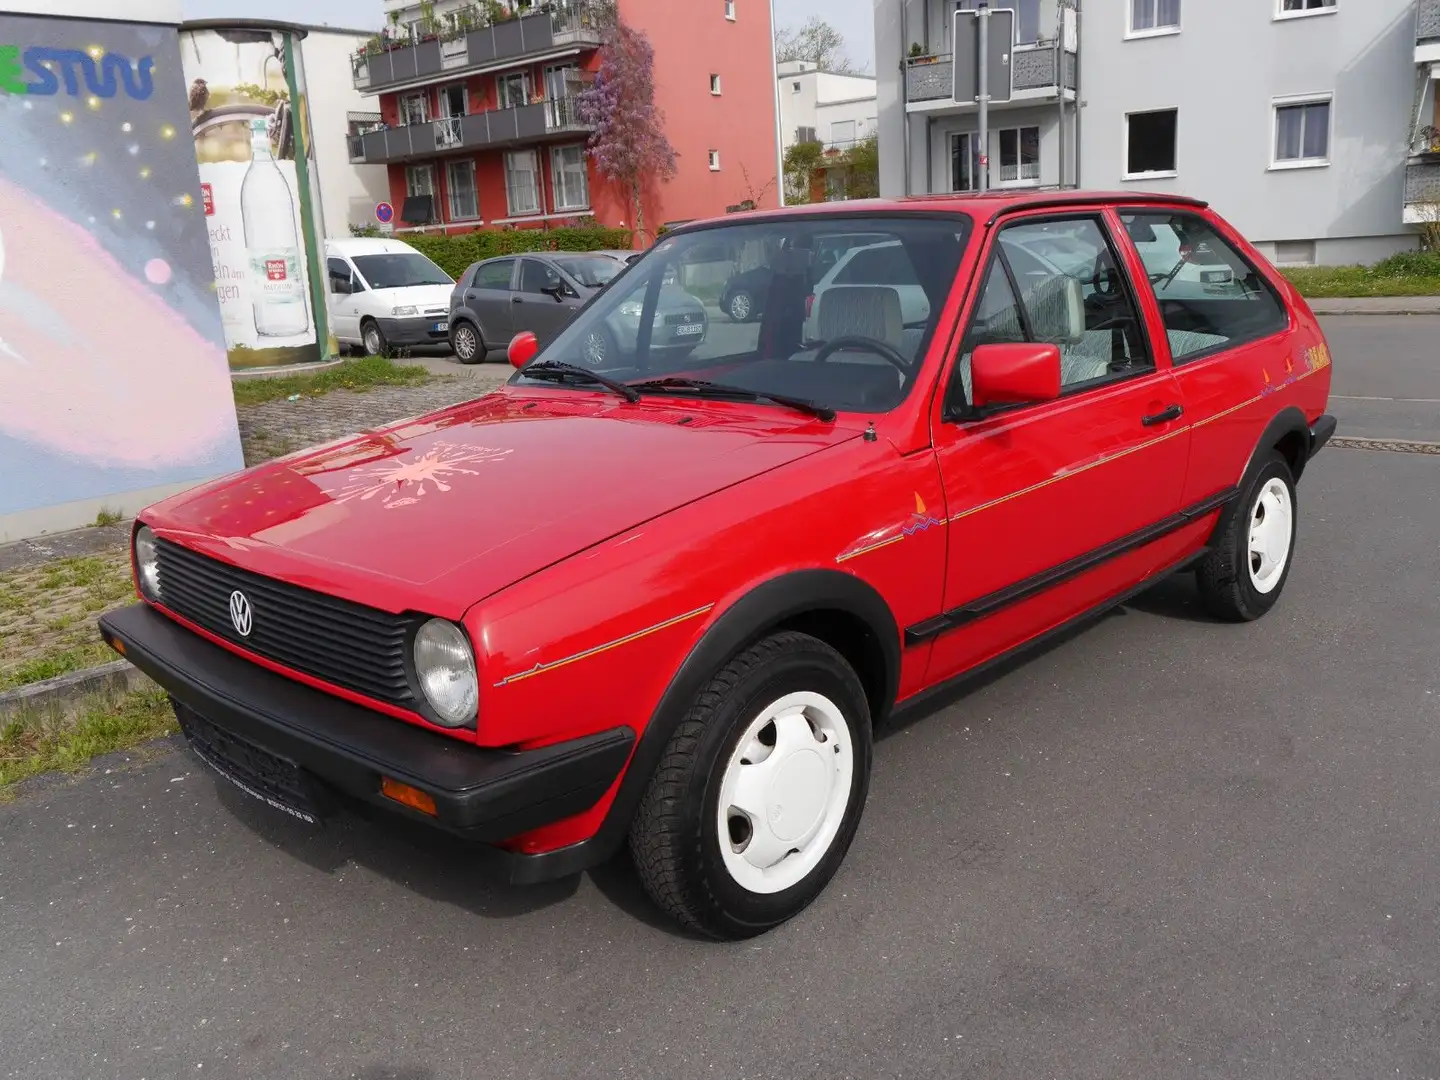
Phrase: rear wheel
(599, 348)
(760, 791)
(466, 342)
(741, 306)
(1243, 576)
(372, 338)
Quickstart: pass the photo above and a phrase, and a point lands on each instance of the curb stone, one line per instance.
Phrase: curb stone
(1394, 446)
(64, 692)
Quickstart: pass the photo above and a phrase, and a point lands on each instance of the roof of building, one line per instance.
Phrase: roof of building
(298, 29)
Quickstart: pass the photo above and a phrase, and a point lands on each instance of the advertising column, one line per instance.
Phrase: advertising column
(249, 121)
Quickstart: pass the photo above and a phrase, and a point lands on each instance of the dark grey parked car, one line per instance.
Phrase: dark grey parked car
(498, 298)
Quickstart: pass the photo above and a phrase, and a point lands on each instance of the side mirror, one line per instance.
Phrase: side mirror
(1014, 373)
(524, 346)
(557, 291)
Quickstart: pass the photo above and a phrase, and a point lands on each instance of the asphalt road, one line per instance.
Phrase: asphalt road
(1387, 375)
(1164, 848)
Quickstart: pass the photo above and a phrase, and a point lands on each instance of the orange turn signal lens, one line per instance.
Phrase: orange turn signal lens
(116, 644)
(409, 796)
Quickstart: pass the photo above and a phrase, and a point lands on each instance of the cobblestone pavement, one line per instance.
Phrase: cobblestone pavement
(280, 427)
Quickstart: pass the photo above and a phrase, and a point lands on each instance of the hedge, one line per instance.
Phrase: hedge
(455, 253)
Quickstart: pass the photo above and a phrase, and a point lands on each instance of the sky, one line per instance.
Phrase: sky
(853, 18)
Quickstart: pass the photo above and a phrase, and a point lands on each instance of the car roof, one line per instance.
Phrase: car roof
(986, 206)
(367, 245)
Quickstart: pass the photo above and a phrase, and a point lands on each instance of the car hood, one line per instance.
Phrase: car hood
(418, 296)
(437, 513)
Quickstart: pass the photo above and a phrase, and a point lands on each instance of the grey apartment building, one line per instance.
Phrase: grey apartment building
(1313, 125)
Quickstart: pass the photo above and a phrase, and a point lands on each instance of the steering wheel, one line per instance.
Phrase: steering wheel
(882, 349)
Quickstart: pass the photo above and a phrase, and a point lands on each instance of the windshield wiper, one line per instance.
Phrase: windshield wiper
(704, 388)
(559, 371)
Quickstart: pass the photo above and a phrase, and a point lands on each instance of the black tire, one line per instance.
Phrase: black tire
(740, 306)
(372, 339)
(1227, 584)
(675, 838)
(464, 330)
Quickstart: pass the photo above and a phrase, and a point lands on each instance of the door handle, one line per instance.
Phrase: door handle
(517, 300)
(1164, 416)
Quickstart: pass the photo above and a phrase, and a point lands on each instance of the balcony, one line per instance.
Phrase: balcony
(1427, 27)
(462, 48)
(552, 118)
(931, 79)
(1422, 190)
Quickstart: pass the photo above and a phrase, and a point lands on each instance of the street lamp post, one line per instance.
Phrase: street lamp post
(983, 98)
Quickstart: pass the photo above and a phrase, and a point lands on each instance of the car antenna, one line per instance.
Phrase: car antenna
(870, 435)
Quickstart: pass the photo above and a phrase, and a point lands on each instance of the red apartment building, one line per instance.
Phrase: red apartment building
(479, 125)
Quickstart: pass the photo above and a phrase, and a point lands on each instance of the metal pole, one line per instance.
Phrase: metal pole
(983, 97)
(904, 89)
(1060, 85)
(779, 128)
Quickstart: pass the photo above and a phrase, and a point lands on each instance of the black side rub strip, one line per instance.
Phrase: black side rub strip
(987, 605)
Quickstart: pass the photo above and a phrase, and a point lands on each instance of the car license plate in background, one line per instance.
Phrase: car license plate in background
(692, 328)
(441, 328)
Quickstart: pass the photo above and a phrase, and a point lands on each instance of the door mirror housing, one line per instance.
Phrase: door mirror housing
(523, 347)
(557, 291)
(1014, 373)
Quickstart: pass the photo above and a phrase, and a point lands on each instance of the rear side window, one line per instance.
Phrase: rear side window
(494, 275)
(1210, 295)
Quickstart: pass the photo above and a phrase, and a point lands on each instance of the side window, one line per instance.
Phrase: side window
(337, 270)
(495, 275)
(536, 277)
(1210, 296)
(1058, 281)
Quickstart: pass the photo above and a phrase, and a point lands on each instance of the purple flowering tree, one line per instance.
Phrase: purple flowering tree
(629, 146)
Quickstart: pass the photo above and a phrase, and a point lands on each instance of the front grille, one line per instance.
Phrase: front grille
(684, 319)
(348, 645)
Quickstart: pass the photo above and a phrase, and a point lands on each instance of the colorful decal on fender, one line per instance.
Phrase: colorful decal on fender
(405, 482)
(585, 654)
(920, 521)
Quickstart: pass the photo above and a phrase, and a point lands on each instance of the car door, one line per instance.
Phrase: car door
(535, 309)
(343, 299)
(489, 298)
(1052, 505)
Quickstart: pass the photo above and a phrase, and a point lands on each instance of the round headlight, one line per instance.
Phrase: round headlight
(445, 669)
(147, 563)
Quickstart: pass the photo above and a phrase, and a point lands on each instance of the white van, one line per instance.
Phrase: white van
(383, 292)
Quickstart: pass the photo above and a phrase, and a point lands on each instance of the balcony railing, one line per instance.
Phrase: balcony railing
(540, 120)
(390, 63)
(1422, 191)
(1010, 174)
(932, 78)
(1427, 28)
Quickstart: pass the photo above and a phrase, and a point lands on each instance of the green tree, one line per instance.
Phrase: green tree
(862, 170)
(801, 161)
(817, 42)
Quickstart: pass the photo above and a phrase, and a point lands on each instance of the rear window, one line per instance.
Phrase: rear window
(886, 265)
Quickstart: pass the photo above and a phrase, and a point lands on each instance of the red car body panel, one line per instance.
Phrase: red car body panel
(588, 544)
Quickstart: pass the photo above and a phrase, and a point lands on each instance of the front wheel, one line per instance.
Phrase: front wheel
(465, 340)
(760, 791)
(741, 306)
(1244, 574)
(372, 338)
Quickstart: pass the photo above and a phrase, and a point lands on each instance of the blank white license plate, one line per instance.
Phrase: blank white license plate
(693, 328)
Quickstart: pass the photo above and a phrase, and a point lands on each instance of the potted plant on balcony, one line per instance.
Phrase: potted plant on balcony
(918, 55)
(1428, 140)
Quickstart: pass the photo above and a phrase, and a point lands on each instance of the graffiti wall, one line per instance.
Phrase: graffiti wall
(251, 131)
(113, 375)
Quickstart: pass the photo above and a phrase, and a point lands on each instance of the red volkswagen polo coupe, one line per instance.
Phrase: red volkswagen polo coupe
(661, 597)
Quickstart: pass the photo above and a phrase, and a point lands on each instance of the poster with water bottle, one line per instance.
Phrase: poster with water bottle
(251, 132)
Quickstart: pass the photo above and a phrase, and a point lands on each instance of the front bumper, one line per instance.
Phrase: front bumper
(296, 747)
(416, 330)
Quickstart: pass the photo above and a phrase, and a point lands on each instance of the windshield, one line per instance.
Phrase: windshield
(591, 271)
(840, 314)
(400, 269)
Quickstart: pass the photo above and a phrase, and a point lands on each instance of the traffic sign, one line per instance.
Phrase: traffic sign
(384, 213)
(967, 56)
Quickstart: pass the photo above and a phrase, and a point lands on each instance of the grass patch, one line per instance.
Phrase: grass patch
(47, 614)
(108, 517)
(33, 745)
(1410, 273)
(362, 374)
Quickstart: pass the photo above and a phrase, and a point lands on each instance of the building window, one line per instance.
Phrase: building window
(414, 109)
(1302, 132)
(522, 182)
(795, 88)
(1290, 8)
(1019, 155)
(1154, 17)
(1027, 19)
(715, 85)
(1150, 144)
(730, 10)
(842, 133)
(420, 186)
(964, 162)
(805, 134)
(420, 180)
(460, 179)
(513, 90)
(714, 160)
(568, 178)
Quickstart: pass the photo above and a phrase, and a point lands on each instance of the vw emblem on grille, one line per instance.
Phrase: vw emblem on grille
(240, 613)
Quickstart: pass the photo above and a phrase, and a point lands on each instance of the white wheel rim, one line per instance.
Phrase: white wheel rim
(784, 792)
(372, 341)
(464, 343)
(1272, 524)
(595, 349)
(740, 306)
